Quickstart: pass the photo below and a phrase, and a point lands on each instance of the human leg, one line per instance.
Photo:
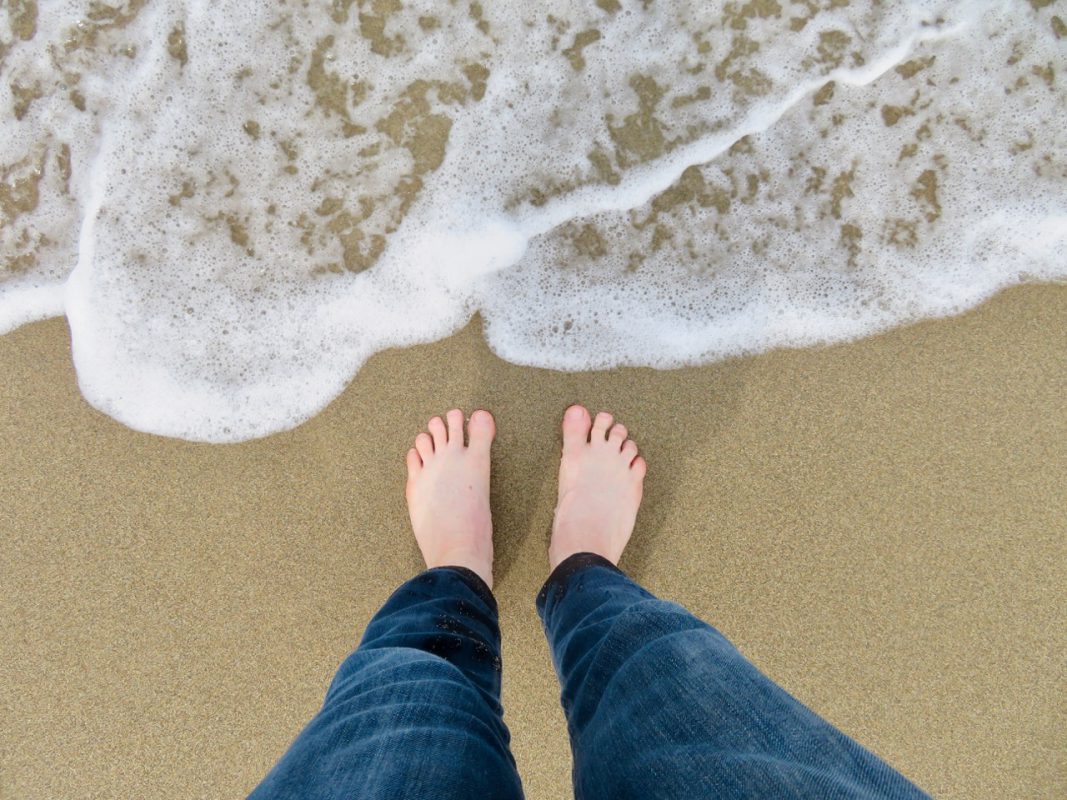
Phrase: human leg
(658, 703)
(415, 711)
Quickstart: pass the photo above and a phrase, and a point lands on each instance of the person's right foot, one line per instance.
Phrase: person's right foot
(600, 483)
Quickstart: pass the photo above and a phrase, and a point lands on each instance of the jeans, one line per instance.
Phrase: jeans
(658, 703)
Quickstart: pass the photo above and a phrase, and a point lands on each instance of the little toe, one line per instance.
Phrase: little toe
(639, 467)
(480, 430)
(455, 427)
(414, 462)
(618, 434)
(601, 423)
(437, 431)
(424, 446)
(575, 427)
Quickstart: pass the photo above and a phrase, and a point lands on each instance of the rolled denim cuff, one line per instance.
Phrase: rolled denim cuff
(476, 583)
(559, 580)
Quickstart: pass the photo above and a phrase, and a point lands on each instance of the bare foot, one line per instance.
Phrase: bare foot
(448, 493)
(600, 482)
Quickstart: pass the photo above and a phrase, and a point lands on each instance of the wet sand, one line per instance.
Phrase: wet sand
(880, 526)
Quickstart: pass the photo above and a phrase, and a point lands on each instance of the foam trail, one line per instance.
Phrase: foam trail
(31, 304)
(648, 180)
(77, 292)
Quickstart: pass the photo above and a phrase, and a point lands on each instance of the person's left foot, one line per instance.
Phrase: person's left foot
(448, 493)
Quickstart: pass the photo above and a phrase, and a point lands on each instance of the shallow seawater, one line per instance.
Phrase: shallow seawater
(236, 204)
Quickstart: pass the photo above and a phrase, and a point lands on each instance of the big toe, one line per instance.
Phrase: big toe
(576, 424)
(481, 429)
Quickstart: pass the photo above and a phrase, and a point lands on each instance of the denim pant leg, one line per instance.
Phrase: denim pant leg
(415, 711)
(660, 705)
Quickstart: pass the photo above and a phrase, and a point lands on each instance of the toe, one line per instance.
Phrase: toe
(639, 467)
(424, 445)
(601, 423)
(629, 450)
(481, 430)
(437, 431)
(618, 434)
(455, 427)
(414, 462)
(575, 427)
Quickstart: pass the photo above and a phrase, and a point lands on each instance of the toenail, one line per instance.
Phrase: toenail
(574, 412)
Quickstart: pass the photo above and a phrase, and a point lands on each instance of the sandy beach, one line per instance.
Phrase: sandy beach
(880, 526)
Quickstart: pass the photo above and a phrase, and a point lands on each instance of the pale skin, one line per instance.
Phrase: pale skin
(601, 477)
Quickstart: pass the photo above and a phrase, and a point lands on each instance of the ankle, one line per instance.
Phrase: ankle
(563, 548)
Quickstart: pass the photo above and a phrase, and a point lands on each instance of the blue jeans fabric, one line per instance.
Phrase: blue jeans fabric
(658, 705)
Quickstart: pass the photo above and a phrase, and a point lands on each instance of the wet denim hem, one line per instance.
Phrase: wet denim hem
(560, 578)
(475, 582)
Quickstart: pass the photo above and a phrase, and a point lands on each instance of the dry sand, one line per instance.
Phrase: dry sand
(880, 526)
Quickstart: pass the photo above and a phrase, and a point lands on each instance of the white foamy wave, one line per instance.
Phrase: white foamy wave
(259, 198)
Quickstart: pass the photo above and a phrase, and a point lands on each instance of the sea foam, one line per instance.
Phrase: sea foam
(235, 204)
